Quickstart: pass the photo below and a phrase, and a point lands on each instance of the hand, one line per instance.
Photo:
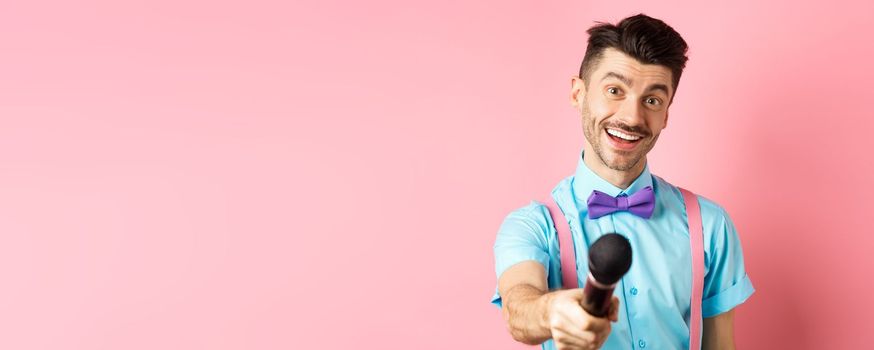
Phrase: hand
(572, 327)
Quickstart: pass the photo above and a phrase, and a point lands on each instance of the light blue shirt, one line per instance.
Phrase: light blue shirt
(655, 294)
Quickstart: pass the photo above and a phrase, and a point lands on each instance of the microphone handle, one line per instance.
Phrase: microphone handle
(597, 298)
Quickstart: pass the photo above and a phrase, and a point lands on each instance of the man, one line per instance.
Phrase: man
(626, 83)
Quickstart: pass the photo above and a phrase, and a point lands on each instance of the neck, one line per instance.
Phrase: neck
(618, 178)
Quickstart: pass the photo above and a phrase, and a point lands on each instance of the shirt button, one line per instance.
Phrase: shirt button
(634, 292)
(641, 343)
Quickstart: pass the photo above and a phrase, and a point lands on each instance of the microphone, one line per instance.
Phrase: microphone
(609, 260)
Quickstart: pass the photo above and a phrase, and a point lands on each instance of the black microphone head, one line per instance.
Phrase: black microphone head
(609, 258)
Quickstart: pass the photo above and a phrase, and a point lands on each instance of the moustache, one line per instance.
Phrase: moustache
(638, 130)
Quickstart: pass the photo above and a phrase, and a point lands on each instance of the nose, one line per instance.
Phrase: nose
(631, 113)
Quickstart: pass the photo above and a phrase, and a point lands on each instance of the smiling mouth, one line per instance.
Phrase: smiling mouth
(622, 138)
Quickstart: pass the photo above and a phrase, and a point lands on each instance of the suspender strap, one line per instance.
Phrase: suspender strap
(696, 238)
(568, 266)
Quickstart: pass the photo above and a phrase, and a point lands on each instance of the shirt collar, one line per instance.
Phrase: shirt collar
(585, 181)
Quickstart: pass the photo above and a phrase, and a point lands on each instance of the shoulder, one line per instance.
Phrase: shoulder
(714, 217)
(532, 219)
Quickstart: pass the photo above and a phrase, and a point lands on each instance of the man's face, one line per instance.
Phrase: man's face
(624, 108)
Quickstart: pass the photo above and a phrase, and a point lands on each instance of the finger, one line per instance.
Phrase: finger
(574, 328)
(559, 346)
(602, 337)
(597, 325)
(565, 340)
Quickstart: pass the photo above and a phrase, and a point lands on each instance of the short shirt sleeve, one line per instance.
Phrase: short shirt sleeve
(726, 283)
(522, 236)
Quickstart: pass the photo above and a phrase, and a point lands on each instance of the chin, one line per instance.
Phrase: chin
(622, 163)
(621, 167)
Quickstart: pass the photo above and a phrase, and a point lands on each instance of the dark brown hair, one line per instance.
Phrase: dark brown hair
(647, 39)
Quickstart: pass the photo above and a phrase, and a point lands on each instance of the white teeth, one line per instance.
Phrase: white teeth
(622, 135)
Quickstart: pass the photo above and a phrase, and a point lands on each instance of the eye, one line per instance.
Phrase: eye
(613, 90)
(654, 101)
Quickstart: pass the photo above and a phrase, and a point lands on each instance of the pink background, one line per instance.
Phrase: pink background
(217, 175)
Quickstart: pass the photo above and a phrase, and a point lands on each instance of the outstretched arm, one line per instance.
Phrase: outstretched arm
(719, 332)
(534, 315)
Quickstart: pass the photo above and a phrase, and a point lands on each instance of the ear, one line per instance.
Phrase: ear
(578, 89)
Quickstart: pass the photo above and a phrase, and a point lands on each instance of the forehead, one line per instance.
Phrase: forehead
(640, 75)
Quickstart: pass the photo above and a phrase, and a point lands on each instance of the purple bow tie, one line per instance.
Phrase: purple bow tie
(641, 203)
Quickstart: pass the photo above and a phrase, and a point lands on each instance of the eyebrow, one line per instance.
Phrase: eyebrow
(630, 83)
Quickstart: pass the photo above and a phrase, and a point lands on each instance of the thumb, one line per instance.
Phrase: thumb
(575, 294)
